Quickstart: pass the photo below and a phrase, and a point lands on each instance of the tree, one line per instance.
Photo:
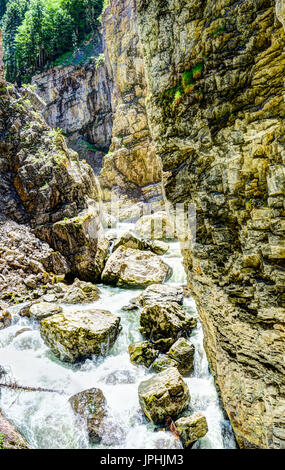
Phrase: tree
(12, 19)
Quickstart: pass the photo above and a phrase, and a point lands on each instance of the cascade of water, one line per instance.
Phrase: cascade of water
(47, 421)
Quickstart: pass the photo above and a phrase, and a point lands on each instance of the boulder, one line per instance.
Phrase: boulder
(191, 428)
(128, 267)
(162, 363)
(165, 394)
(183, 354)
(155, 226)
(163, 344)
(76, 335)
(130, 240)
(159, 247)
(81, 292)
(5, 319)
(10, 438)
(157, 293)
(166, 320)
(132, 305)
(91, 406)
(142, 353)
(42, 310)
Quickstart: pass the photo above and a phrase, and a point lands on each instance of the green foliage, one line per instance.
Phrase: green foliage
(2, 437)
(174, 96)
(220, 30)
(37, 33)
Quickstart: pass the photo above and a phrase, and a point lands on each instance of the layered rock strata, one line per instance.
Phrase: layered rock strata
(215, 73)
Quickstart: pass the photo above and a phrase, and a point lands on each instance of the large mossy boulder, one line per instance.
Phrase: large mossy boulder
(73, 336)
(128, 267)
(157, 293)
(191, 428)
(91, 406)
(166, 320)
(156, 226)
(165, 394)
(41, 310)
(183, 354)
(142, 353)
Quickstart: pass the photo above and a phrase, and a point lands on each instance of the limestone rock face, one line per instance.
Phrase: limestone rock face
(166, 321)
(162, 363)
(157, 293)
(215, 73)
(191, 428)
(131, 167)
(135, 268)
(91, 406)
(142, 353)
(165, 394)
(12, 438)
(74, 336)
(46, 194)
(78, 100)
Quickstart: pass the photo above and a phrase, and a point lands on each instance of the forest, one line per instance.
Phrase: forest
(36, 32)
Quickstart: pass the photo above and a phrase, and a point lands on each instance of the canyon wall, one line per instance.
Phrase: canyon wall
(101, 108)
(49, 215)
(215, 81)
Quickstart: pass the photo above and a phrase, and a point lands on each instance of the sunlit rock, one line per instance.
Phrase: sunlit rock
(165, 394)
(80, 334)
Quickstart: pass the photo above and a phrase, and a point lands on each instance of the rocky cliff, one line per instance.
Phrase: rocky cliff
(215, 74)
(100, 105)
(48, 210)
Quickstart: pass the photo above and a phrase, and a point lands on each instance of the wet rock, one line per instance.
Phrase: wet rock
(77, 335)
(128, 267)
(81, 292)
(159, 247)
(191, 428)
(155, 226)
(162, 363)
(163, 344)
(132, 305)
(142, 353)
(5, 318)
(120, 377)
(91, 406)
(183, 354)
(167, 320)
(42, 310)
(237, 187)
(130, 240)
(21, 331)
(158, 293)
(11, 438)
(164, 395)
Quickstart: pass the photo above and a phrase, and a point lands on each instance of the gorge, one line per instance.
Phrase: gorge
(173, 102)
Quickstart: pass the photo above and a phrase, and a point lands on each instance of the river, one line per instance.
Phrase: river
(46, 419)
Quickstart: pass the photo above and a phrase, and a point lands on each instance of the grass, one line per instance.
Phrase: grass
(2, 437)
(174, 96)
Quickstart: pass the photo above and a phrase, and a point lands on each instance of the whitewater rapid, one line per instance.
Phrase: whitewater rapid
(46, 419)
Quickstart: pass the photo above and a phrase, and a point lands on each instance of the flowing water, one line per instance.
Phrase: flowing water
(46, 419)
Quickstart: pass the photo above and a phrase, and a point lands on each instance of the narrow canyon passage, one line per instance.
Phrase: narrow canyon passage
(47, 420)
